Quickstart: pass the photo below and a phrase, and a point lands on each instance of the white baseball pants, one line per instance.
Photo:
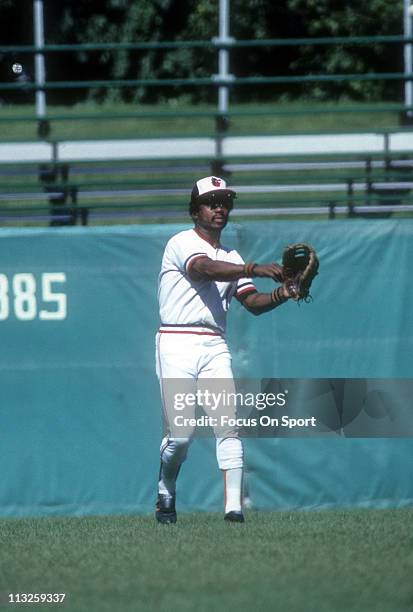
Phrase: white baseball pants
(186, 358)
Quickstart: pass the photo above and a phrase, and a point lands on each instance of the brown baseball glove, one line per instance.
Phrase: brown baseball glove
(300, 266)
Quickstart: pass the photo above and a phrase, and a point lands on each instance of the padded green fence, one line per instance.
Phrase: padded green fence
(79, 400)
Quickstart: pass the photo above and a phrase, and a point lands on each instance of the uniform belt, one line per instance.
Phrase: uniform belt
(199, 330)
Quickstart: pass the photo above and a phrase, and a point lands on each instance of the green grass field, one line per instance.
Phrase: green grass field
(288, 561)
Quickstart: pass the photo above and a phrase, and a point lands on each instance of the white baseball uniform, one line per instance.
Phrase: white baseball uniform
(199, 303)
(190, 343)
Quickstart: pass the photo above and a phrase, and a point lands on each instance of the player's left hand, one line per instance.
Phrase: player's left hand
(300, 267)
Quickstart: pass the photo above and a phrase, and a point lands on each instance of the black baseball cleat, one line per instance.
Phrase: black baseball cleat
(234, 517)
(165, 509)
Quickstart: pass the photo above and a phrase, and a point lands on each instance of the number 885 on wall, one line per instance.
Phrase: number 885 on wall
(26, 296)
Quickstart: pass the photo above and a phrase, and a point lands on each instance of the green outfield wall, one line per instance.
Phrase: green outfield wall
(79, 399)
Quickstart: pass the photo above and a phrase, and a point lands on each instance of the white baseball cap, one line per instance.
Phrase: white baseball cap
(210, 184)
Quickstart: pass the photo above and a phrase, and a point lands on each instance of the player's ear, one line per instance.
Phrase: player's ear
(193, 210)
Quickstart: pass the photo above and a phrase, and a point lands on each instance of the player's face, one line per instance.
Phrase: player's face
(214, 212)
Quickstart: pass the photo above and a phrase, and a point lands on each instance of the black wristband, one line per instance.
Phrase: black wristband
(249, 270)
(278, 297)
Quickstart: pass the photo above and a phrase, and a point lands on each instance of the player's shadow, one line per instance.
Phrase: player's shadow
(353, 407)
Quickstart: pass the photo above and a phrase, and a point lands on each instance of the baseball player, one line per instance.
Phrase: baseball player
(198, 279)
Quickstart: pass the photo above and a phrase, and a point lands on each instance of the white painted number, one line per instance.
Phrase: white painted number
(25, 301)
(4, 297)
(59, 299)
(24, 289)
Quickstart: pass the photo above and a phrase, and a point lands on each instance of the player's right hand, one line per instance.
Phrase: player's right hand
(272, 270)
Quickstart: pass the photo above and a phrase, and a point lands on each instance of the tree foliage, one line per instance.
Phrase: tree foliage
(100, 21)
(328, 18)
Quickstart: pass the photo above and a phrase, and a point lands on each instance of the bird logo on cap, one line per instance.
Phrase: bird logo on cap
(216, 181)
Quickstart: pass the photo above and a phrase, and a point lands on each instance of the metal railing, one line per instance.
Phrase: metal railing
(358, 186)
(223, 79)
(56, 194)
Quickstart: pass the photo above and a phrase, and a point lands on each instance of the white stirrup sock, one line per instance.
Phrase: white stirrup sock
(230, 460)
(173, 454)
(233, 490)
